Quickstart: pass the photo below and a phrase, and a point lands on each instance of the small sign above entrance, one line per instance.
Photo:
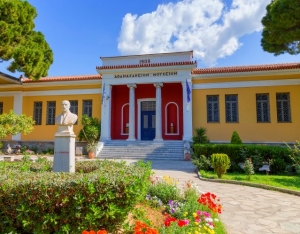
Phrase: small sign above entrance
(169, 73)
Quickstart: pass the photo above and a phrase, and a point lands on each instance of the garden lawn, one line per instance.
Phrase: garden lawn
(280, 181)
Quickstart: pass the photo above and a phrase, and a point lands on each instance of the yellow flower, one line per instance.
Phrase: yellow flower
(196, 223)
(195, 215)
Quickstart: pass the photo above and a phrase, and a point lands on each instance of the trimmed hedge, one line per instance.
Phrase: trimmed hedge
(99, 196)
(278, 155)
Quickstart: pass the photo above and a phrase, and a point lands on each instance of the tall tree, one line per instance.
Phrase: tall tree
(26, 49)
(281, 32)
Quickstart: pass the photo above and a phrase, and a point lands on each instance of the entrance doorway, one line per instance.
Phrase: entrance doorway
(148, 118)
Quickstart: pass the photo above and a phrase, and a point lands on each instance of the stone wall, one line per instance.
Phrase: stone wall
(39, 145)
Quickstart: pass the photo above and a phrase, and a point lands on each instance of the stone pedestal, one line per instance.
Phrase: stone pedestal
(64, 149)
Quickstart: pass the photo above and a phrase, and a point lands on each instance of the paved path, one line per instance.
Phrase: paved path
(246, 209)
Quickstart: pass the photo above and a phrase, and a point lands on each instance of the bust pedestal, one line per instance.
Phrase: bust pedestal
(64, 149)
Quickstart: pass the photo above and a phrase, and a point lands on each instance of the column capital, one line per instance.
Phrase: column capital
(158, 84)
(131, 85)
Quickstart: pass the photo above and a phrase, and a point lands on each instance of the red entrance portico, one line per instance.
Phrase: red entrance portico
(171, 103)
(147, 97)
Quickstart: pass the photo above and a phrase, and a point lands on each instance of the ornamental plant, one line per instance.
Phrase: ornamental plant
(235, 138)
(94, 232)
(220, 163)
(142, 228)
(295, 155)
(211, 201)
(165, 188)
(249, 168)
(13, 124)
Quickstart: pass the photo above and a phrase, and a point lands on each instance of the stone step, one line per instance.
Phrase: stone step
(166, 150)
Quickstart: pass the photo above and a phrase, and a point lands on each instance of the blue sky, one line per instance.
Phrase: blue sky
(221, 33)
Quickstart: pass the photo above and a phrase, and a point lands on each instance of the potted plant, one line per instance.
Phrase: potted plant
(90, 132)
(91, 149)
(187, 151)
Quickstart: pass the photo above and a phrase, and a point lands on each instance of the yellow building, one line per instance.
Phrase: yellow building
(165, 97)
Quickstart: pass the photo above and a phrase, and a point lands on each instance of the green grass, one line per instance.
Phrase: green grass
(280, 181)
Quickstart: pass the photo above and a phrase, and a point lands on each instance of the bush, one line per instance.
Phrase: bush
(220, 163)
(249, 168)
(295, 153)
(202, 163)
(235, 138)
(258, 153)
(46, 202)
(200, 137)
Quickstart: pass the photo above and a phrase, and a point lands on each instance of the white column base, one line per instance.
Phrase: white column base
(158, 139)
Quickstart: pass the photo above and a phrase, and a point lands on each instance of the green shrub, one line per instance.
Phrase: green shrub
(202, 163)
(249, 168)
(278, 165)
(235, 138)
(295, 153)
(258, 153)
(200, 137)
(47, 202)
(220, 163)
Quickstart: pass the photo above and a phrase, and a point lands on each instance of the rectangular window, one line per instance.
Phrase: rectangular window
(283, 107)
(231, 105)
(51, 107)
(74, 108)
(87, 107)
(212, 108)
(1, 108)
(262, 108)
(37, 112)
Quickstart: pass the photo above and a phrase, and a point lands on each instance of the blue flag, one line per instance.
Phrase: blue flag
(188, 92)
(103, 93)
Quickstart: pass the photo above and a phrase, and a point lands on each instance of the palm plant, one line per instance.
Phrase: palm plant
(201, 137)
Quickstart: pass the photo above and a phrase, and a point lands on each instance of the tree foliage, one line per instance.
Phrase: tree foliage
(12, 124)
(281, 32)
(91, 130)
(26, 49)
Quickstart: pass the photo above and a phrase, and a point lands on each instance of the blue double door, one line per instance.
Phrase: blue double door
(148, 121)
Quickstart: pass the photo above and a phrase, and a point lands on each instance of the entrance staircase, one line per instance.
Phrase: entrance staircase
(143, 150)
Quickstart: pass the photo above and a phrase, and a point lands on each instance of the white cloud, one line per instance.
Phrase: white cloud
(210, 28)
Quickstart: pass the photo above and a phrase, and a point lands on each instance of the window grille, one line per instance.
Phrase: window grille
(1, 108)
(213, 108)
(37, 112)
(262, 108)
(283, 107)
(74, 108)
(149, 106)
(231, 103)
(51, 108)
(87, 108)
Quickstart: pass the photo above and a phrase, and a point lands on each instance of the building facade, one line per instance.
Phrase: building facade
(165, 96)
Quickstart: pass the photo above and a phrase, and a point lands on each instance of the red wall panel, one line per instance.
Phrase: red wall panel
(120, 96)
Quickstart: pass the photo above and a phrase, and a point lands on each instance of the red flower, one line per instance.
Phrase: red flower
(210, 200)
(168, 220)
(182, 223)
(102, 232)
(85, 232)
(142, 228)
